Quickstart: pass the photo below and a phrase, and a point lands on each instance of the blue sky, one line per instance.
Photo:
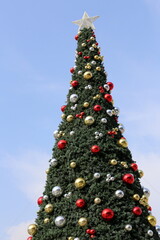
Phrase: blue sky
(36, 52)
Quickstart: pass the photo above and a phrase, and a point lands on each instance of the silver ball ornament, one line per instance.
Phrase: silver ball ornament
(146, 192)
(55, 134)
(119, 194)
(91, 48)
(104, 120)
(57, 191)
(97, 175)
(100, 134)
(53, 162)
(96, 133)
(158, 228)
(150, 233)
(128, 227)
(109, 112)
(116, 110)
(60, 221)
(45, 197)
(93, 62)
(76, 238)
(89, 87)
(80, 72)
(121, 128)
(73, 98)
(112, 179)
(106, 86)
(71, 133)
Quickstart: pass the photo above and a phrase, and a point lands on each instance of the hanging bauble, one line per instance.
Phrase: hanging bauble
(55, 134)
(97, 200)
(108, 97)
(104, 120)
(97, 108)
(119, 194)
(134, 166)
(116, 111)
(96, 57)
(72, 133)
(82, 221)
(70, 118)
(93, 62)
(136, 197)
(146, 192)
(89, 120)
(158, 228)
(109, 112)
(97, 175)
(40, 200)
(107, 214)
(76, 37)
(123, 142)
(98, 68)
(74, 83)
(80, 203)
(79, 72)
(95, 149)
(111, 85)
(113, 162)
(137, 211)
(87, 75)
(72, 70)
(53, 162)
(29, 238)
(141, 173)
(62, 144)
(91, 48)
(63, 116)
(86, 104)
(150, 233)
(46, 220)
(121, 128)
(106, 86)
(48, 208)
(57, 191)
(60, 221)
(63, 108)
(152, 220)
(128, 227)
(128, 178)
(47, 171)
(73, 164)
(88, 231)
(80, 183)
(83, 44)
(32, 229)
(45, 197)
(73, 98)
(70, 238)
(92, 231)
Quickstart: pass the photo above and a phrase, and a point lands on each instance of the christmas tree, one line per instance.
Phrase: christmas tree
(93, 185)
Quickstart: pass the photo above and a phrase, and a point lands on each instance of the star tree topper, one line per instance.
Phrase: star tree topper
(86, 21)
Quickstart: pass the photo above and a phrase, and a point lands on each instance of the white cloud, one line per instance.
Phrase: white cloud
(18, 231)
(28, 171)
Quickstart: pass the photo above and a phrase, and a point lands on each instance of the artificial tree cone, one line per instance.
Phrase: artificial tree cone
(92, 188)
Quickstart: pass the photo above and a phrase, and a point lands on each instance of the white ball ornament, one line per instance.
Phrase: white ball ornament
(106, 86)
(121, 128)
(57, 191)
(71, 133)
(116, 110)
(55, 134)
(80, 72)
(76, 238)
(150, 233)
(60, 221)
(146, 192)
(45, 197)
(53, 162)
(91, 48)
(128, 227)
(97, 175)
(104, 120)
(93, 62)
(89, 87)
(73, 98)
(109, 112)
(119, 194)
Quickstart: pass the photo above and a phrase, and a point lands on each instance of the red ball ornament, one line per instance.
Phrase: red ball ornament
(40, 200)
(95, 149)
(97, 108)
(96, 43)
(107, 214)
(134, 166)
(88, 40)
(79, 53)
(61, 144)
(108, 97)
(74, 83)
(149, 208)
(92, 236)
(76, 37)
(80, 203)
(63, 108)
(72, 70)
(137, 211)
(88, 231)
(111, 85)
(29, 238)
(128, 178)
(92, 231)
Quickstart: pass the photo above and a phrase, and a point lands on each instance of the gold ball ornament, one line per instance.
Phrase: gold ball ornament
(94, 45)
(86, 104)
(32, 229)
(152, 220)
(97, 200)
(144, 198)
(82, 222)
(48, 208)
(87, 75)
(141, 173)
(98, 68)
(87, 67)
(46, 220)
(73, 164)
(113, 162)
(89, 120)
(123, 142)
(83, 44)
(92, 38)
(96, 57)
(80, 183)
(124, 164)
(63, 116)
(70, 118)
(47, 171)
(136, 197)
(70, 238)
